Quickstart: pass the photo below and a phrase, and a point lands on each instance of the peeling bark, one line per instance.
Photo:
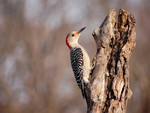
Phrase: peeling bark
(109, 88)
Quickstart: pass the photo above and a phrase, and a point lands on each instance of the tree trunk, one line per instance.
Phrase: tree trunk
(109, 88)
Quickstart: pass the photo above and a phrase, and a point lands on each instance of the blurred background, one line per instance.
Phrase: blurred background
(35, 70)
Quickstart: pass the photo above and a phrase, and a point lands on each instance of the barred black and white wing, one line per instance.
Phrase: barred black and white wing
(76, 57)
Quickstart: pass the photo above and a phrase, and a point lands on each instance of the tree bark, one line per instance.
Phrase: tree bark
(109, 88)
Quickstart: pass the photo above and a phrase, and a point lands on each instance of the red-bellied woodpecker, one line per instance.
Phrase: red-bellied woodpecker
(80, 60)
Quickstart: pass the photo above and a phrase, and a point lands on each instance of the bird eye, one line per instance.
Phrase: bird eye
(72, 34)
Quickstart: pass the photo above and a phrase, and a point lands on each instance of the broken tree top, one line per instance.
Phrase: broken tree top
(109, 88)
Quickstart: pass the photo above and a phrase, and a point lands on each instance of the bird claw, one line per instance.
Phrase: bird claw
(93, 63)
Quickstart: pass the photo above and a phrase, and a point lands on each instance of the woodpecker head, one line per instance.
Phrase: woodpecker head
(72, 38)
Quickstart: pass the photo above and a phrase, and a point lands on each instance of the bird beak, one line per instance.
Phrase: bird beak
(81, 30)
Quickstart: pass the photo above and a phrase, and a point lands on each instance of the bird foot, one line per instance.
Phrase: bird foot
(93, 63)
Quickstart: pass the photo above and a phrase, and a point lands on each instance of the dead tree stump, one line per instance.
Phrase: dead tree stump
(109, 88)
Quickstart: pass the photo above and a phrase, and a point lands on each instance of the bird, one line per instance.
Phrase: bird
(80, 60)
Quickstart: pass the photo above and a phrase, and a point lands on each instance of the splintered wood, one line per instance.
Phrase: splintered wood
(109, 88)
